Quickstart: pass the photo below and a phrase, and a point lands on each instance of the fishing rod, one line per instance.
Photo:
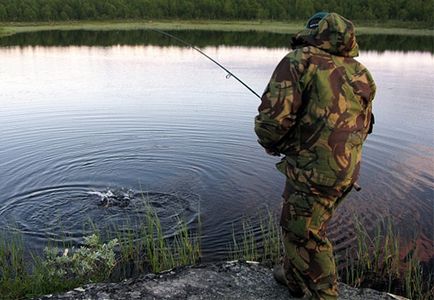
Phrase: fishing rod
(229, 75)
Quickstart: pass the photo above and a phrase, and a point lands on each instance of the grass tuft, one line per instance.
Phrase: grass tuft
(374, 262)
(140, 248)
(264, 245)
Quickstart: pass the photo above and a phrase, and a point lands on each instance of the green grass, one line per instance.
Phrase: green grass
(264, 246)
(127, 252)
(17, 280)
(149, 249)
(262, 26)
(374, 263)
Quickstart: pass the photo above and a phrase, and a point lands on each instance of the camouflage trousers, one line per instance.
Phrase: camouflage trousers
(309, 262)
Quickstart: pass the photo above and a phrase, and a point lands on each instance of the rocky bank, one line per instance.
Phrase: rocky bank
(227, 280)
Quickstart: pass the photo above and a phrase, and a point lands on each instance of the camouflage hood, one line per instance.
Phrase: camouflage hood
(334, 34)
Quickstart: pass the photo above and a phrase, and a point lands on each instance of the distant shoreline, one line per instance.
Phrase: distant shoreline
(211, 25)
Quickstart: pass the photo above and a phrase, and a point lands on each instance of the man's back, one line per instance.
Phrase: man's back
(321, 98)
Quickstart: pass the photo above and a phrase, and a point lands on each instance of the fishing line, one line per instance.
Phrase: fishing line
(229, 73)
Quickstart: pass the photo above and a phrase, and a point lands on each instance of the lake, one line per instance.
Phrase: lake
(84, 115)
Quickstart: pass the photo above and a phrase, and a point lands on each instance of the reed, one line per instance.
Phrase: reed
(272, 239)
(12, 265)
(149, 248)
(18, 280)
(374, 262)
(264, 246)
(142, 247)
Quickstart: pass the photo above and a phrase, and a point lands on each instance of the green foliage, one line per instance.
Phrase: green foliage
(92, 262)
(12, 265)
(62, 10)
(375, 261)
(140, 248)
(23, 275)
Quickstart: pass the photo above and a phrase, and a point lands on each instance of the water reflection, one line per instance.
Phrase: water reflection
(201, 39)
(78, 120)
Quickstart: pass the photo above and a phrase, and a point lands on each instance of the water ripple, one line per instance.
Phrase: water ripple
(51, 212)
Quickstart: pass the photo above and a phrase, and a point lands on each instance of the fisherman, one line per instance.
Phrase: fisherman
(317, 112)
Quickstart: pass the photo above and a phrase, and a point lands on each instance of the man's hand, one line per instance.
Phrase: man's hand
(272, 152)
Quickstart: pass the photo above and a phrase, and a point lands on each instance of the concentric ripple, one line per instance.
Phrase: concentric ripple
(82, 124)
(67, 213)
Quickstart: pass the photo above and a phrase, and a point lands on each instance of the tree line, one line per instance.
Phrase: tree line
(285, 10)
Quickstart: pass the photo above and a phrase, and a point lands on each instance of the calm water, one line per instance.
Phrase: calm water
(153, 120)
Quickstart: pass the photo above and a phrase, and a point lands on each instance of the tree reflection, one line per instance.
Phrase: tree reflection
(201, 39)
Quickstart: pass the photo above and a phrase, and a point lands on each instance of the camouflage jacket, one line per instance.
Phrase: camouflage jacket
(316, 109)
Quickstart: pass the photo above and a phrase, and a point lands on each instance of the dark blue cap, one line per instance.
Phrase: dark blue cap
(315, 19)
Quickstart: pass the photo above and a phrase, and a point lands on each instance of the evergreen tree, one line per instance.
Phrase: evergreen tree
(49, 10)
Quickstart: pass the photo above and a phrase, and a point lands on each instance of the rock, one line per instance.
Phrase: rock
(231, 280)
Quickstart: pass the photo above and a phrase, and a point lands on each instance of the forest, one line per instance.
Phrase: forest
(282, 10)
